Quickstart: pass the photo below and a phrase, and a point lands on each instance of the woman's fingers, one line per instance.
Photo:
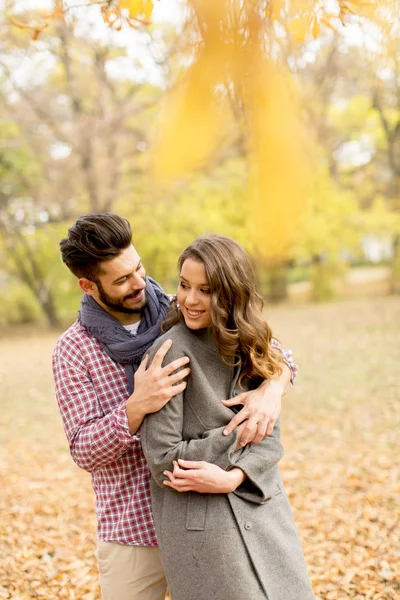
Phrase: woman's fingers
(191, 464)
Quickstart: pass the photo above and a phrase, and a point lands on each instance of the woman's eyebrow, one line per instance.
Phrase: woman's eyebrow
(187, 281)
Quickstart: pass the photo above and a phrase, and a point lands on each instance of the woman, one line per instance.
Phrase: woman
(240, 542)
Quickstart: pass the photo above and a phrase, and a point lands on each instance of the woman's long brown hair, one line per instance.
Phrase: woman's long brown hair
(237, 323)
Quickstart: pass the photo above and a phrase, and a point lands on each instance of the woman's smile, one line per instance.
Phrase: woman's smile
(193, 314)
(194, 295)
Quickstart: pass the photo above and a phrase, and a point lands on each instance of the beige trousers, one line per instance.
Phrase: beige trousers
(130, 572)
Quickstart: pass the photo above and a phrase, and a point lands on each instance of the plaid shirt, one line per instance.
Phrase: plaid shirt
(91, 391)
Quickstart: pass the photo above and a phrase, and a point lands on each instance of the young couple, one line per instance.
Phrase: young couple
(191, 416)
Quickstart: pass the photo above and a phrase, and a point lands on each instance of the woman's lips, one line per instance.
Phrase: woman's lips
(194, 314)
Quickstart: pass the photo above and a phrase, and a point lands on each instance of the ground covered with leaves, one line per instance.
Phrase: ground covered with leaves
(341, 465)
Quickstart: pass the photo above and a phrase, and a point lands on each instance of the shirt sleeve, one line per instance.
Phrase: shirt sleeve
(288, 358)
(94, 439)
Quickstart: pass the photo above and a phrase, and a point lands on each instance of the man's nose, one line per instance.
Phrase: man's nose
(139, 282)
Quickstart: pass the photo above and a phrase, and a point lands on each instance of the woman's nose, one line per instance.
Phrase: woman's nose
(191, 298)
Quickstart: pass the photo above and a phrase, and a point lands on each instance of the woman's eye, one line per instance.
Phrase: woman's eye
(183, 285)
(206, 291)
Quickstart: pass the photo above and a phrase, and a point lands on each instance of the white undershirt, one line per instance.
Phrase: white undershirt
(133, 328)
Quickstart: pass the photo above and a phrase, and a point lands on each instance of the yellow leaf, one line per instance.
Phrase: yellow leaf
(299, 28)
(316, 28)
(280, 173)
(138, 8)
(273, 9)
(325, 21)
(191, 122)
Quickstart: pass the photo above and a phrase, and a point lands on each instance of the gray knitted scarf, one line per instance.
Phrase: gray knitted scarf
(120, 345)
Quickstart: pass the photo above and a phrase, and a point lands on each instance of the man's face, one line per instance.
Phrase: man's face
(120, 287)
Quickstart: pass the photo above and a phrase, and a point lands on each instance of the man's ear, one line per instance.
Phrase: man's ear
(87, 286)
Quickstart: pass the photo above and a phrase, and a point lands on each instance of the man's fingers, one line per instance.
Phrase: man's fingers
(143, 364)
(160, 354)
(248, 433)
(176, 389)
(271, 426)
(235, 421)
(176, 364)
(232, 401)
(261, 432)
(241, 398)
(178, 376)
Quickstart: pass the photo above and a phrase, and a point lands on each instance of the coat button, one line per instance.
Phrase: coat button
(248, 526)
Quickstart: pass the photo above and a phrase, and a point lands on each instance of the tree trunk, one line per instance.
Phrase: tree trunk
(395, 274)
(47, 304)
(273, 280)
(278, 284)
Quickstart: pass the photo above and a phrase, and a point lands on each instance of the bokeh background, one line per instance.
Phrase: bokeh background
(277, 123)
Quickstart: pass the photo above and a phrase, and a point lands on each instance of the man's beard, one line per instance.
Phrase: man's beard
(117, 304)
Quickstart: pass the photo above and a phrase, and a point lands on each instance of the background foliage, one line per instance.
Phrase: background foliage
(271, 122)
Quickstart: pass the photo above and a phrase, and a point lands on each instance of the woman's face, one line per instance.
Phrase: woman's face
(194, 295)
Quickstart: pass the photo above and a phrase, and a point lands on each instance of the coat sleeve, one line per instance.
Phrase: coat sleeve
(162, 442)
(162, 439)
(258, 462)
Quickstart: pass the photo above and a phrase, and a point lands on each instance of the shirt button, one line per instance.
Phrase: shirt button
(248, 526)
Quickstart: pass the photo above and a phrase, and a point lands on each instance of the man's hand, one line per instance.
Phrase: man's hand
(203, 477)
(155, 386)
(261, 409)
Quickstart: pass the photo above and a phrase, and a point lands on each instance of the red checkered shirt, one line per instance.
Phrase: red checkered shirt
(91, 391)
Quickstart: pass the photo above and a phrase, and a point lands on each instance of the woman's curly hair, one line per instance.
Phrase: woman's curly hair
(238, 326)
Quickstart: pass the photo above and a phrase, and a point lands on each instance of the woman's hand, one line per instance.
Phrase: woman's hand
(203, 477)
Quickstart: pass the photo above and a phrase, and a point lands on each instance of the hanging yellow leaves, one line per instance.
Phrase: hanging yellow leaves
(299, 28)
(132, 12)
(231, 63)
(279, 161)
(191, 122)
(37, 27)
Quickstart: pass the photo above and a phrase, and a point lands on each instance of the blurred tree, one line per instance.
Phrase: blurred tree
(228, 133)
(340, 83)
(73, 141)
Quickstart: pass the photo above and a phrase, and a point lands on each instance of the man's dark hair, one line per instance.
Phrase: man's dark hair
(92, 239)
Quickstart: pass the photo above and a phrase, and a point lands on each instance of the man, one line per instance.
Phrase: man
(105, 387)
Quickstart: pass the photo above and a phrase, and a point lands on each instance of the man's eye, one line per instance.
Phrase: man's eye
(140, 266)
(122, 281)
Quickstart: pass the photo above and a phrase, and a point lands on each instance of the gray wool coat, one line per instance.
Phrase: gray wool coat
(237, 546)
